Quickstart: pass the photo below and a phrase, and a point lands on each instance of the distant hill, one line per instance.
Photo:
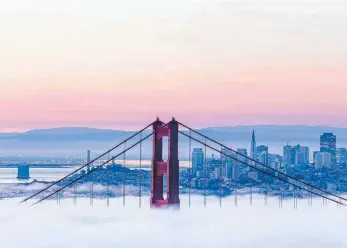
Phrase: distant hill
(67, 134)
(275, 133)
(68, 141)
(237, 133)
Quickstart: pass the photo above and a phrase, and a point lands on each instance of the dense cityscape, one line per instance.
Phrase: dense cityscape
(229, 172)
(326, 171)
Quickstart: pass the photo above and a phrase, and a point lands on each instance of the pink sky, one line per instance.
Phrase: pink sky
(86, 63)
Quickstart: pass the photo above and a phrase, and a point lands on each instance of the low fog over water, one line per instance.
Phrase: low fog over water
(49, 225)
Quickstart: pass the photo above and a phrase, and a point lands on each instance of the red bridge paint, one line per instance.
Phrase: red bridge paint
(160, 167)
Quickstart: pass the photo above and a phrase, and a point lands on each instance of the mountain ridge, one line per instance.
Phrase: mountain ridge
(76, 140)
(263, 132)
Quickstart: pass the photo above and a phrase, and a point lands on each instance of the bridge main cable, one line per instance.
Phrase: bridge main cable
(92, 170)
(89, 163)
(264, 172)
(264, 165)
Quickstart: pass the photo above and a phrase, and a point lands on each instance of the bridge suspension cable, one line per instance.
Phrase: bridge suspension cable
(205, 175)
(124, 173)
(262, 171)
(88, 164)
(256, 162)
(190, 168)
(140, 175)
(92, 170)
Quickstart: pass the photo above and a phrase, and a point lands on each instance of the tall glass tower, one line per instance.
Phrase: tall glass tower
(253, 147)
(328, 144)
(253, 150)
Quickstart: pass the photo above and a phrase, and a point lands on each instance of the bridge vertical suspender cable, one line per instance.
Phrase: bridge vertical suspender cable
(251, 191)
(279, 194)
(108, 185)
(92, 190)
(140, 174)
(266, 190)
(220, 182)
(124, 171)
(205, 176)
(235, 189)
(75, 194)
(190, 167)
(294, 197)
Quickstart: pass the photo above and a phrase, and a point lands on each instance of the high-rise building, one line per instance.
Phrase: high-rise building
(288, 156)
(328, 144)
(253, 174)
(198, 160)
(213, 163)
(306, 151)
(227, 158)
(227, 162)
(275, 161)
(262, 148)
(88, 160)
(341, 157)
(243, 157)
(323, 160)
(263, 154)
(296, 155)
(243, 151)
(301, 155)
(315, 156)
(253, 147)
(299, 158)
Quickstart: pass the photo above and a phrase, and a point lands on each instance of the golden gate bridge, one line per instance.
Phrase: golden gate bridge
(169, 170)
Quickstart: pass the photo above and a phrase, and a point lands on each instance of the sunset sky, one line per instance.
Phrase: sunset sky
(119, 64)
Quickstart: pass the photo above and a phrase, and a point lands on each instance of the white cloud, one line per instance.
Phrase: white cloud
(47, 225)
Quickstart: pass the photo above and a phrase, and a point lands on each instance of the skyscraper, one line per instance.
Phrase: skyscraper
(315, 156)
(253, 147)
(275, 161)
(238, 165)
(288, 156)
(306, 151)
(300, 155)
(253, 174)
(88, 160)
(198, 160)
(263, 154)
(341, 157)
(243, 158)
(328, 144)
(227, 159)
(227, 162)
(323, 159)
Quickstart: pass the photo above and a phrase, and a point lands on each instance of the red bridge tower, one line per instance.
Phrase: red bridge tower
(160, 167)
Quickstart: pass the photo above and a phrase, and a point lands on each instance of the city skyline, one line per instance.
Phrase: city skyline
(87, 64)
